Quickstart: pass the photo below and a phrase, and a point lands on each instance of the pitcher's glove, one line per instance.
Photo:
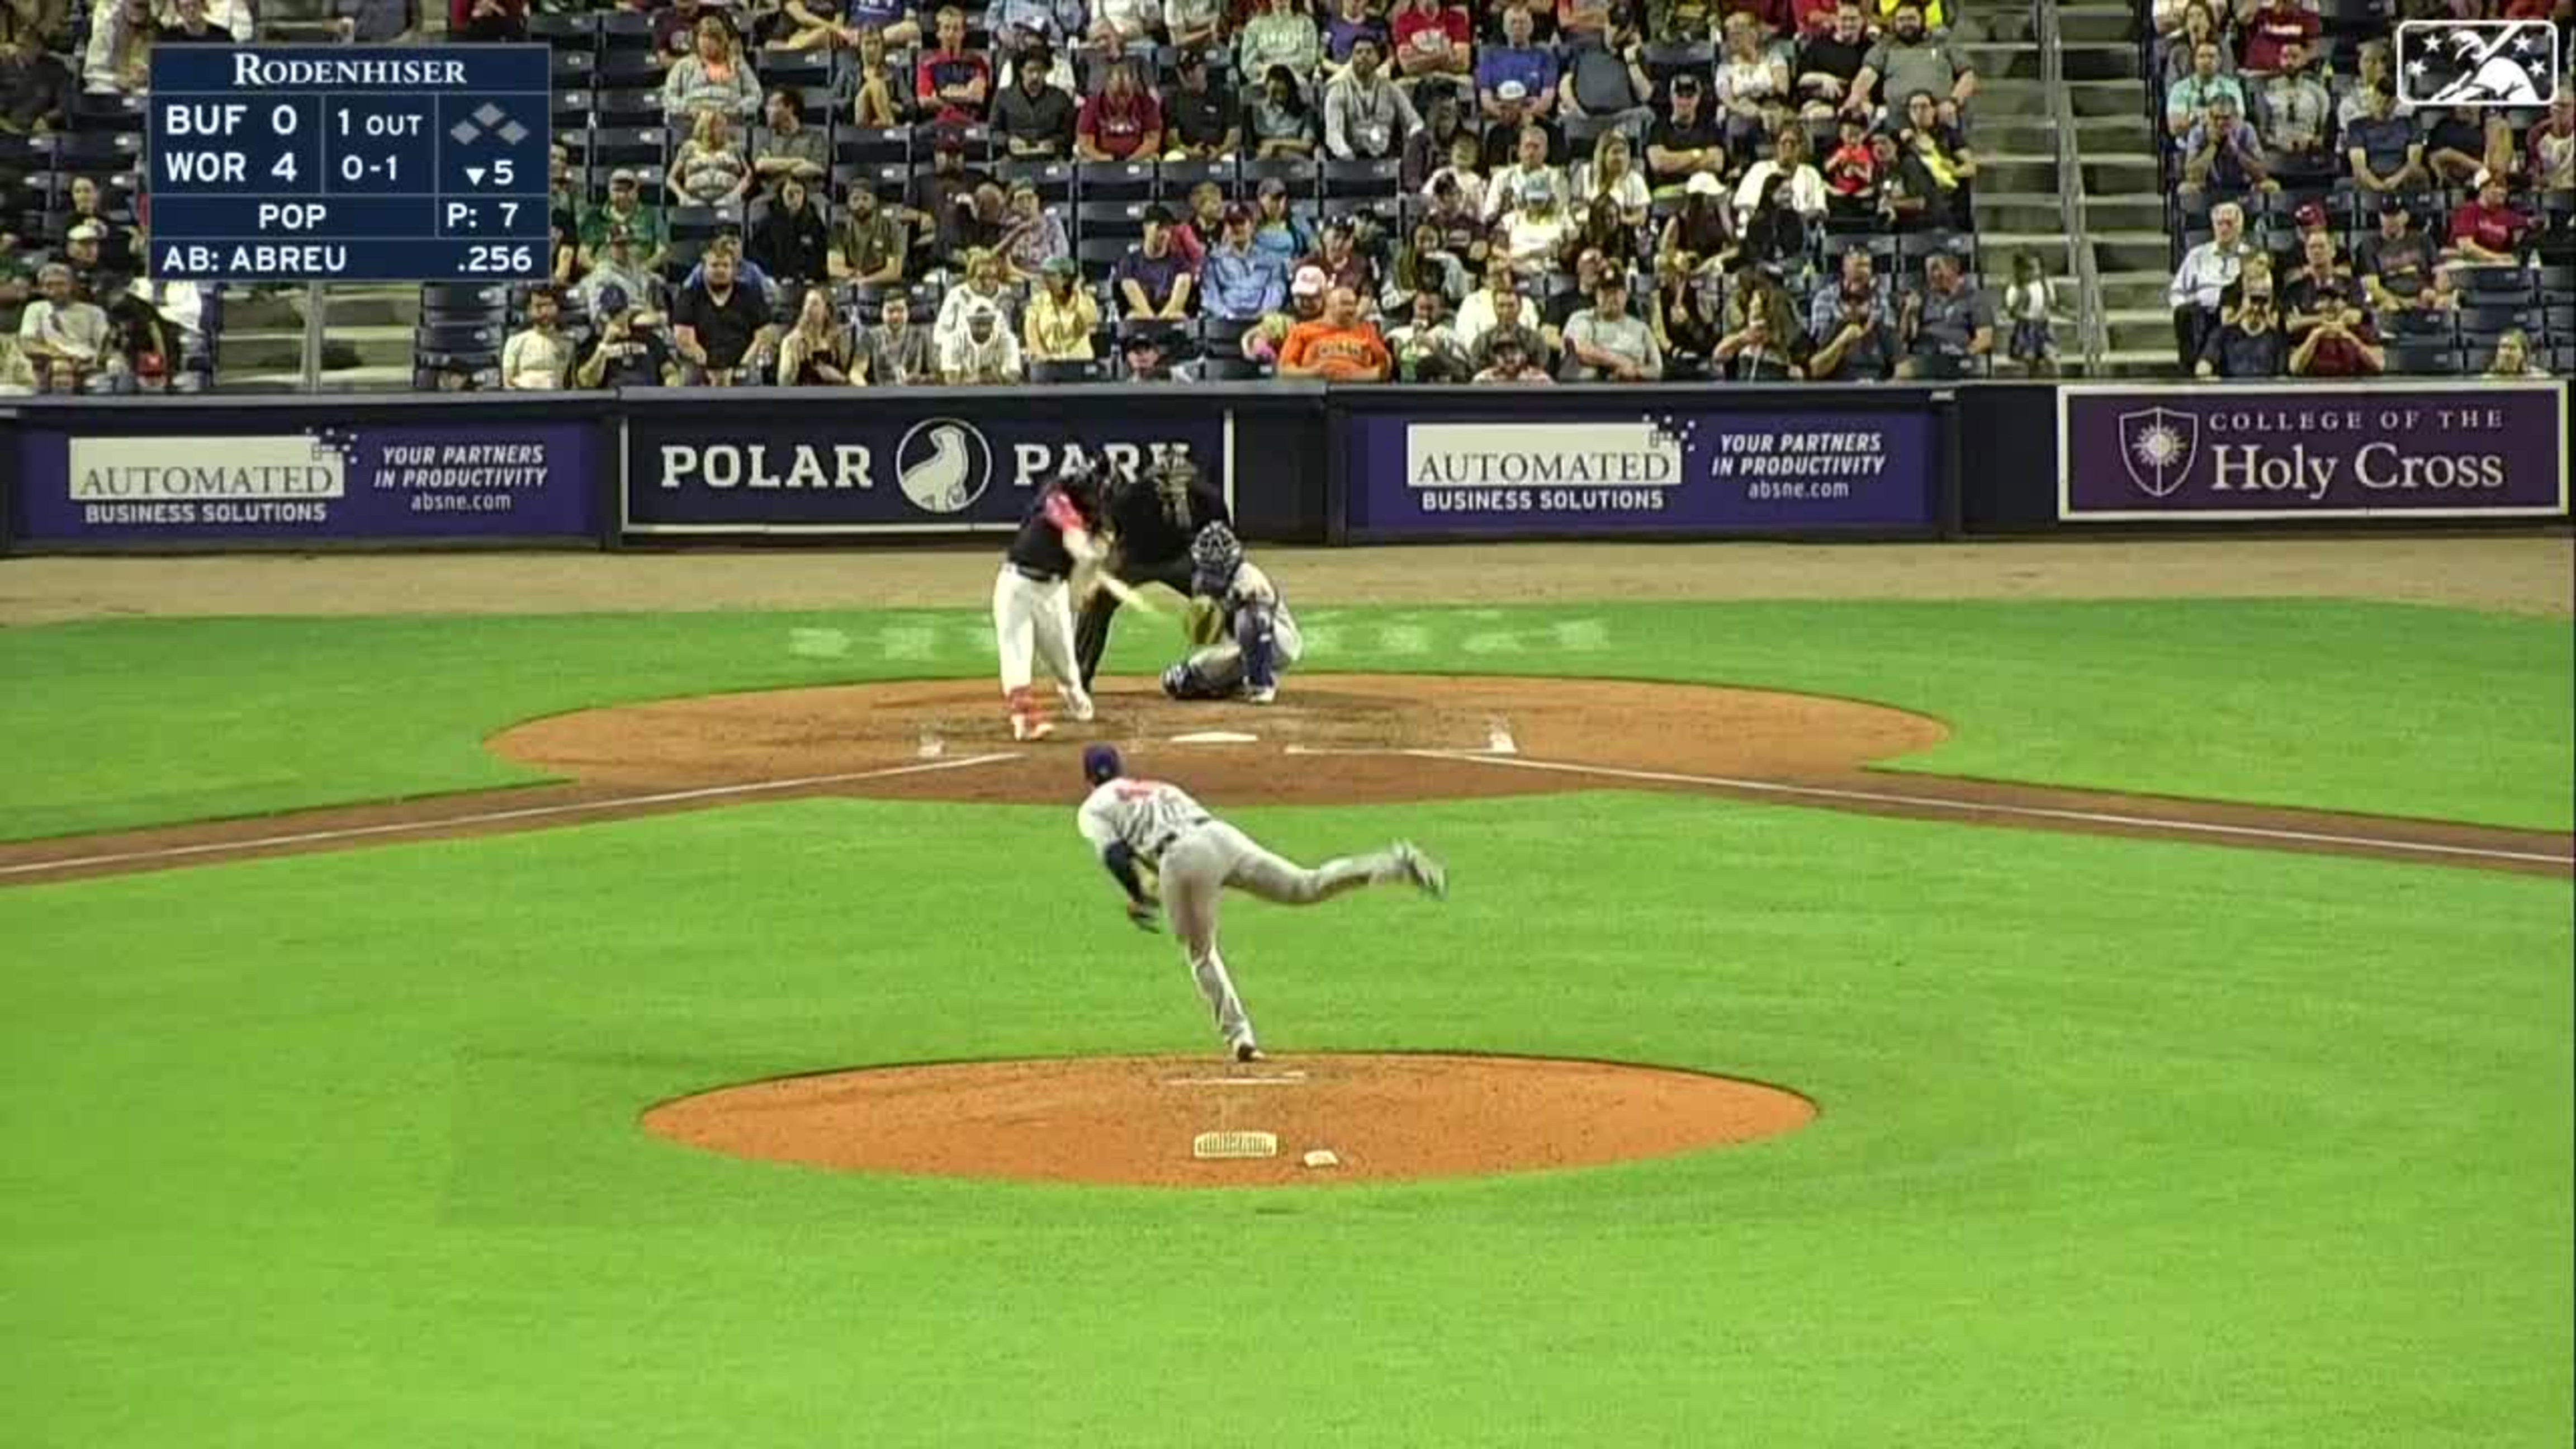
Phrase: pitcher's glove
(1203, 623)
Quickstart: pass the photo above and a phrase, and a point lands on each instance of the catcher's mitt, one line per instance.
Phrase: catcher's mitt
(1203, 623)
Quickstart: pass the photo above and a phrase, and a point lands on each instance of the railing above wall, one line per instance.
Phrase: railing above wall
(2092, 333)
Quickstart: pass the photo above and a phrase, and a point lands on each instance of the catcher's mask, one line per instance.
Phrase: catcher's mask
(1100, 764)
(1214, 556)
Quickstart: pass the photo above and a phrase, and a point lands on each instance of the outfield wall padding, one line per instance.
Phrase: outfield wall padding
(1301, 462)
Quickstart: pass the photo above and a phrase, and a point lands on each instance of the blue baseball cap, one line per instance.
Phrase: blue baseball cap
(1100, 764)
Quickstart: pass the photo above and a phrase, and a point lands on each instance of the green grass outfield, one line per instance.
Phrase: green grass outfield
(2123, 1142)
(2382, 708)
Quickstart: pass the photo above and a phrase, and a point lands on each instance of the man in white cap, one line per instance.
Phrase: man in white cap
(1518, 77)
(983, 353)
(1306, 293)
(625, 207)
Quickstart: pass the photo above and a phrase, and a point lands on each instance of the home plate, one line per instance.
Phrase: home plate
(1216, 737)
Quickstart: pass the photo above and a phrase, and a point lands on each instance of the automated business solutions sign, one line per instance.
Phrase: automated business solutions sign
(1710, 472)
(486, 479)
(789, 469)
(2225, 453)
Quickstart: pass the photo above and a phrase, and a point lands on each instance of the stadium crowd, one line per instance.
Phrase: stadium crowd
(2329, 226)
(863, 193)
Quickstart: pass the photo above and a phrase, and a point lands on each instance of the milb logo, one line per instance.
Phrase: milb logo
(2486, 63)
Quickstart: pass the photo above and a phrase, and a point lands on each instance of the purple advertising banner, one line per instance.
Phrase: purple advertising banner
(2217, 451)
(481, 479)
(841, 469)
(1568, 471)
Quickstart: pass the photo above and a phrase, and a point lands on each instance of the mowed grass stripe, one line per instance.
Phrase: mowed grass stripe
(2123, 1144)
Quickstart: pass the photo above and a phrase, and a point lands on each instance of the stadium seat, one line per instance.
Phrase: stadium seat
(1173, 180)
(2423, 359)
(889, 180)
(977, 140)
(2483, 319)
(1223, 334)
(621, 68)
(1365, 179)
(575, 30)
(699, 223)
(628, 146)
(807, 70)
(1121, 221)
(879, 147)
(1073, 371)
(1217, 367)
(90, 112)
(1053, 179)
(457, 337)
(1665, 59)
(460, 298)
(622, 28)
(574, 69)
(572, 110)
(627, 108)
(1114, 181)
(1099, 255)
(2494, 285)
(1303, 177)
(99, 151)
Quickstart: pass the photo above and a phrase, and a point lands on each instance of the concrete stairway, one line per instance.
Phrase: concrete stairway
(2018, 208)
(366, 339)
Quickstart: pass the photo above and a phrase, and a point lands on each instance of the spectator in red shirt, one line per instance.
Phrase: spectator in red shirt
(2340, 344)
(957, 80)
(487, 20)
(1431, 38)
(1776, 17)
(2273, 25)
(1814, 17)
(2487, 229)
(1121, 122)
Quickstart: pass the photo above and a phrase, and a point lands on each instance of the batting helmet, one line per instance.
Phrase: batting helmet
(1100, 764)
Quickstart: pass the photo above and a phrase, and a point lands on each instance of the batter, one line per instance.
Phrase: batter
(1195, 856)
(1032, 608)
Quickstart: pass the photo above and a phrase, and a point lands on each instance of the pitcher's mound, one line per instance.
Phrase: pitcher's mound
(1147, 1121)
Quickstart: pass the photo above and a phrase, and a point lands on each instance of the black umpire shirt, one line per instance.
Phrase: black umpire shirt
(1148, 537)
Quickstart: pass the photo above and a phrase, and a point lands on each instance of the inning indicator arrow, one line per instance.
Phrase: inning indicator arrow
(474, 175)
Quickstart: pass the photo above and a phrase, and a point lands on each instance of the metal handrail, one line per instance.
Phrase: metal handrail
(2091, 332)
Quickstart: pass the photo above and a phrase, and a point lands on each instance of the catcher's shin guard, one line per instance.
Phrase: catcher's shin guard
(1183, 682)
(1258, 639)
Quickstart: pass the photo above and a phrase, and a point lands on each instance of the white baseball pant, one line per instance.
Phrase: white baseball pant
(1197, 868)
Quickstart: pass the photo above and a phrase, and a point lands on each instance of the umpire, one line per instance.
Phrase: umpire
(1152, 519)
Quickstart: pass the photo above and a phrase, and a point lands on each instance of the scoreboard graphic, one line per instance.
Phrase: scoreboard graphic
(348, 164)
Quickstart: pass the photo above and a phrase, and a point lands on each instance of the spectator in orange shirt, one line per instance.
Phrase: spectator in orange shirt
(1338, 346)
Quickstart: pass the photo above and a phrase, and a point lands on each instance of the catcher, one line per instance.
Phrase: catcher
(1152, 520)
(1239, 624)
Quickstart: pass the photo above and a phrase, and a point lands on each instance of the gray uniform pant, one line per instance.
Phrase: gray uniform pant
(1198, 867)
